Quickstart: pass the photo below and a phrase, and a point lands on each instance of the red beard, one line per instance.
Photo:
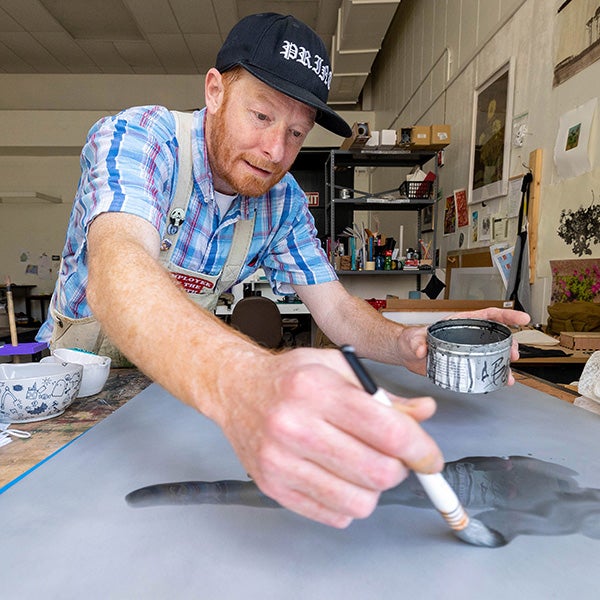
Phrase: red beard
(223, 158)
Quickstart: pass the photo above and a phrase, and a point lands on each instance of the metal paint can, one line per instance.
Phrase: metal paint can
(469, 355)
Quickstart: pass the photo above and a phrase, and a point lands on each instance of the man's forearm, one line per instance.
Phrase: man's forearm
(372, 335)
(346, 319)
(179, 345)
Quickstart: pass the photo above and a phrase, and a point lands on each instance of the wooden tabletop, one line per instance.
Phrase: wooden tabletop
(48, 436)
(564, 392)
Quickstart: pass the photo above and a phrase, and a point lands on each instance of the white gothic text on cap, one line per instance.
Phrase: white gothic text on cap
(316, 64)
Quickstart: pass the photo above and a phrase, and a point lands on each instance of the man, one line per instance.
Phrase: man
(302, 427)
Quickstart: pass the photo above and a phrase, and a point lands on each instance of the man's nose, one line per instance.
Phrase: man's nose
(274, 143)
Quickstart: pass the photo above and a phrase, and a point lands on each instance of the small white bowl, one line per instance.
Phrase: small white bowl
(37, 391)
(95, 368)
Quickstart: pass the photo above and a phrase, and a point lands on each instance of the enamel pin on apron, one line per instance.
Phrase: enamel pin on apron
(176, 219)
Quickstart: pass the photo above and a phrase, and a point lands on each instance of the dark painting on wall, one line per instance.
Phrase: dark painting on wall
(491, 133)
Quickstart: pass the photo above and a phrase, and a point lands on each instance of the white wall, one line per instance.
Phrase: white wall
(436, 54)
(31, 233)
(43, 123)
(39, 152)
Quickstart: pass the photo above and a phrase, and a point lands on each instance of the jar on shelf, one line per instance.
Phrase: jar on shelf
(387, 264)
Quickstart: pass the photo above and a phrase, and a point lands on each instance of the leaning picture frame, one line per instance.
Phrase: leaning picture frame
(491, 134)
(427, 218)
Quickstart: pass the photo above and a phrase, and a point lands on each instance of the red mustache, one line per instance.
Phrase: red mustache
(265, 165)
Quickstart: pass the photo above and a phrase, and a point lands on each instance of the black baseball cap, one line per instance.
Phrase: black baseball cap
(288, 56)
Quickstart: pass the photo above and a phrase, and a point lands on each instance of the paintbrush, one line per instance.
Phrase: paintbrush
(10, 309)
(438, 490)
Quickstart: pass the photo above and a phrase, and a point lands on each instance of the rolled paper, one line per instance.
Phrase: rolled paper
(10, 309)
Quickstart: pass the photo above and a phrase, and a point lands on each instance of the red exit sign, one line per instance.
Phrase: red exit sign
(313, 198)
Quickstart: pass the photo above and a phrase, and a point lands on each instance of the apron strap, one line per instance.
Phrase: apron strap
(185, 180)
(243, 234)
(243, 230)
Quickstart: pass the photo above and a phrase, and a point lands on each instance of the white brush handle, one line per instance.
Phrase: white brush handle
(444, 498)
(440, 493)
(381, 396)
(438, 490)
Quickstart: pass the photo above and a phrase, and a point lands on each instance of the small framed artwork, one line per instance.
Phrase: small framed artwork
(475, 226)
(571, 149)
(499, 228)
(450, 216)
(491, 133)
(462, 212)
(427, 219)
(485, 228)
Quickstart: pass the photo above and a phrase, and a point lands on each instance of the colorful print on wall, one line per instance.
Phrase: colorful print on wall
(575, 279)
(462, 212)
(571, 156)
(449, 216)
(475, 226)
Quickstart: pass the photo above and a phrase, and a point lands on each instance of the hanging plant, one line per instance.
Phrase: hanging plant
(581, 227)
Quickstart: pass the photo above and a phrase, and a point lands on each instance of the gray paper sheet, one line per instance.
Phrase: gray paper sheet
(66, 530)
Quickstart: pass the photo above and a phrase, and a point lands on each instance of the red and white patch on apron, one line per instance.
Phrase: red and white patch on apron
(193, 285)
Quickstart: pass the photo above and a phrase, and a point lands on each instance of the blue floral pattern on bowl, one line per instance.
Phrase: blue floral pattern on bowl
(37, 391)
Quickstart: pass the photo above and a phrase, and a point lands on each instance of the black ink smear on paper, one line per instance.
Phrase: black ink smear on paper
(517, 495)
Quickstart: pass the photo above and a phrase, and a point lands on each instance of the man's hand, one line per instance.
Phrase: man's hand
(346, 319)
(315, 442)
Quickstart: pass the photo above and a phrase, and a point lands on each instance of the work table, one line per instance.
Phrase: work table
(18, 457)
(152, 502)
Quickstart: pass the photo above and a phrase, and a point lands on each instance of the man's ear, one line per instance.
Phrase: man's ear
(213, 90)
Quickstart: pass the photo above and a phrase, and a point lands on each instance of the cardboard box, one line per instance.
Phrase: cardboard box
(388, 138)
(440, 136)
(580, 340)
(373, 141)
(420, 135)
(403, 136)
(361, 132)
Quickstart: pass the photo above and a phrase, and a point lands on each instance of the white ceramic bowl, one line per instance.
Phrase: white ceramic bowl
(37, 391)
(95, 368)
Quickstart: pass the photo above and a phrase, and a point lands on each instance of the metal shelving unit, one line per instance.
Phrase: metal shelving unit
(396, 158)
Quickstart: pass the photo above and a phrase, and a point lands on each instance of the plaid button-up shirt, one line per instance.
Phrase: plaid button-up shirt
(129, 164)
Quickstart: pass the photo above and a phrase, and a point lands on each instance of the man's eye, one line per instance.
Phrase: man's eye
(261, 116)
(297, 134)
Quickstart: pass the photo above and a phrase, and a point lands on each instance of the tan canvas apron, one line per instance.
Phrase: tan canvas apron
(85, 333)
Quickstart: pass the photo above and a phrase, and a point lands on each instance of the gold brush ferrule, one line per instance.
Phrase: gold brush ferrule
(458, 519)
